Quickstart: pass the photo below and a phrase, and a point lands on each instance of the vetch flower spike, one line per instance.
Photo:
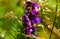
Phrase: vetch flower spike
(30, 18)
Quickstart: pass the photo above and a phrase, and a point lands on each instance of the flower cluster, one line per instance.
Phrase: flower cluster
(30, 17)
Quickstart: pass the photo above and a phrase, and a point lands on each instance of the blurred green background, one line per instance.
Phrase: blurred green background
(11, 25)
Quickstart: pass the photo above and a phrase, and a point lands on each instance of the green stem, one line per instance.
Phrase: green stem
(54, 19)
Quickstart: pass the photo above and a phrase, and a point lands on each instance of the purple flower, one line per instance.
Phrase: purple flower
(36, 20)
(34, 3)
(26, 18)
(34, 12)
(27, 11)
(26, 21)
(34, 28)
(28, 31)
(27, 24)
(38, 6)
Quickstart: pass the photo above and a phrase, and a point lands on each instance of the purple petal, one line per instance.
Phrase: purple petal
(32, 22)
(26, 17)
(27, 24)
(37, 20)
(28, 30)
(27, 11)
(38, 6)
(34, 3)
(34, 12)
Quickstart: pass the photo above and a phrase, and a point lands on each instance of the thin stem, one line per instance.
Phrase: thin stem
(54, 19)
